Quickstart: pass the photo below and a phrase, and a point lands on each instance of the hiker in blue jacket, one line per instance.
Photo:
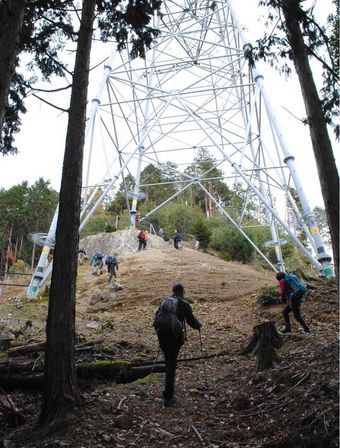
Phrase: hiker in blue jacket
(293, 300)
(97, 263)
(169, 324)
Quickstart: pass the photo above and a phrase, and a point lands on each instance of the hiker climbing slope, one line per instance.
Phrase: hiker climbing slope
(177, 239)
(142, 239)
(292, 291)
(97, 263)
(169, 323)
(111, 262)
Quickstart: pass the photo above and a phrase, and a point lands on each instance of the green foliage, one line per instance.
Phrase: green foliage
(108, 228)
(111, 362)
(204, 168)
(322, 43)
(25, 209)
(97, 224)
(48, 25)
(154, 175)
(269, 295)
(19, 266)
(232, 244)
(178, 216)
(202, 232)
(149, 379)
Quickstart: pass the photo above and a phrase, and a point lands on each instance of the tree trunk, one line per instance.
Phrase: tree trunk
(323, 152)
(11, 20)
(21, 243)
(33, 256)
(263, 343)
(61, 391)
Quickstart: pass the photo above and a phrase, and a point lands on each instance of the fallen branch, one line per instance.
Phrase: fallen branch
(197, 434)
(12, 412)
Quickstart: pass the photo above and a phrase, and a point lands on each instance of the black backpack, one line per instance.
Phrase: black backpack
(166, 319)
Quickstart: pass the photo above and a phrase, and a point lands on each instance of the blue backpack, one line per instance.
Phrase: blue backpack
(299, 289)
(110, 260)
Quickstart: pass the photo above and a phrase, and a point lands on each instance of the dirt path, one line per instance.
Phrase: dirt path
(291, 403)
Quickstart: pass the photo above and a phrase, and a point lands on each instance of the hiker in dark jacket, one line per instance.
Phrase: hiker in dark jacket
(172, 338)
(293, 304)
(177, 239)
(112, 266)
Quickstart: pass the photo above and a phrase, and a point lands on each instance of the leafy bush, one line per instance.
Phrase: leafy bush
(232, 244)
(177, 216)
(19, 266)
(269, 295)
(202, 233)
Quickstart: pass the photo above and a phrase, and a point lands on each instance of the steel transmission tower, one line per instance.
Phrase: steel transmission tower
(194, 90)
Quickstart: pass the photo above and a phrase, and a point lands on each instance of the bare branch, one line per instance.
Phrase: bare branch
(50, 104)
(330, 69)
(51, 90)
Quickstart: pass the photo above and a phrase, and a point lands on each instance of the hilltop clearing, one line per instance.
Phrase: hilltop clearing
(222, 401)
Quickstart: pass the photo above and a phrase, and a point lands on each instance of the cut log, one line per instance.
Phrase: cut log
(23, 350)
(28, 349)
(118, 373)
(264, 342)
(108, 371)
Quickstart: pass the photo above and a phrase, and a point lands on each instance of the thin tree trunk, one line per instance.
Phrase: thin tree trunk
(322, 147)
(61, 391)
(11, 20)
(16, 248)
(21, 243)
(8, 252)
(33, 256)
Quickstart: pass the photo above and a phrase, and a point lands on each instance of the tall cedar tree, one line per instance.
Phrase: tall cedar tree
(11, 20)
(304, 37)
(39, 28)
(61, 392)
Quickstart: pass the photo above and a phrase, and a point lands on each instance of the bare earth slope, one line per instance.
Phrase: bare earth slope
(222, 401)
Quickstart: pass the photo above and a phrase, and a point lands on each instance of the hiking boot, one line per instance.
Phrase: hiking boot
(169, 402)
(286, 330)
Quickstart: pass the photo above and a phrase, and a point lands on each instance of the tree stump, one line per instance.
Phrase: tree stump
(264, 342)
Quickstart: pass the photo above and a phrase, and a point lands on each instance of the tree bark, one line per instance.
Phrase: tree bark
(263, 343)
(61, 390)
(11, 20)
(322, 147)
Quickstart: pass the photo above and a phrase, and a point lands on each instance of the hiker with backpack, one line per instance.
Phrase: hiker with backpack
(142, 239)
(169, 323)
(111, 262)
(97, 263)
(292, 291)
(177, 239)
(81, 255)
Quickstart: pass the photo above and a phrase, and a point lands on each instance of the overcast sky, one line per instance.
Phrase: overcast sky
(42, 136)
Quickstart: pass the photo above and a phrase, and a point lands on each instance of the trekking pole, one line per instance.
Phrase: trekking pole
(185, 339)
(205, 372)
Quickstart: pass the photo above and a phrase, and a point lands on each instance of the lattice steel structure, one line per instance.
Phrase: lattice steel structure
(195, 89)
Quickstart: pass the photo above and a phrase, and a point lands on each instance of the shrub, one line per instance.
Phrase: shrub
(232, 244)
(202, 233)
(269, 295)
(19, 266)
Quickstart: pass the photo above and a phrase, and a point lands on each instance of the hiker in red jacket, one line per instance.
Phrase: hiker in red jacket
(293, 304)
(142, 239)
